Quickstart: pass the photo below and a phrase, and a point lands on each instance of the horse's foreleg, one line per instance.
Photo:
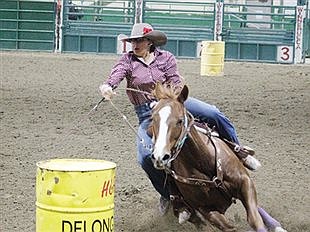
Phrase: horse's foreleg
(220, 221)
(250, 203)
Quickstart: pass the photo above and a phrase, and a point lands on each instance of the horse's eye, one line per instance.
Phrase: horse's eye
(180, 122)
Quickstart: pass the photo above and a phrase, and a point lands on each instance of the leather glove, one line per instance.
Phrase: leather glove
(106, 91)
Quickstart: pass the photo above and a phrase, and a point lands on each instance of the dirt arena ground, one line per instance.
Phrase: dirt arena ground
(45, 99)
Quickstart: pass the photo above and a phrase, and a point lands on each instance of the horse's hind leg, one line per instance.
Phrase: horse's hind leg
(270, 222)
(249, 200)
(220, 221)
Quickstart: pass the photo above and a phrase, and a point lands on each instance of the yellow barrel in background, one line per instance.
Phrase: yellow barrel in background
(75, 195)
(212, 58)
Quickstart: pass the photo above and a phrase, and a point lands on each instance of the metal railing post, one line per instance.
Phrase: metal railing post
(139, 11)
(218, 22)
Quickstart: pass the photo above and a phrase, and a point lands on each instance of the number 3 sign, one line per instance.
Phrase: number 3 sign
(285, 54)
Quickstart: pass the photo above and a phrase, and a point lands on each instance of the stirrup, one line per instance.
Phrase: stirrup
(243, 151)
(249, 150)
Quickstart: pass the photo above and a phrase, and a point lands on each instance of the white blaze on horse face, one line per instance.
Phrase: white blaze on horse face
(159, 147)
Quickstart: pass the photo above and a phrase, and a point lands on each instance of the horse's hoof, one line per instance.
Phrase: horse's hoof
(279, 229)
(184, 216)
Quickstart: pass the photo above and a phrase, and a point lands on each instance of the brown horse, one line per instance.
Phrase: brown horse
(205, 174)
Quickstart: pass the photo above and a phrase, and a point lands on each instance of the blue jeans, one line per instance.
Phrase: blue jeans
(201, 110)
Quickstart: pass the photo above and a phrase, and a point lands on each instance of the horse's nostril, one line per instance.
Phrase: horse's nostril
(166, 157)
(152, 157)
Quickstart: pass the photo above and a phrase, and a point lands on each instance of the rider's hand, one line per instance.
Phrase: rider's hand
(106, 91)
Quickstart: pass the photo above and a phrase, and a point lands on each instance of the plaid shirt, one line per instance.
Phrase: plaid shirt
(142, 76)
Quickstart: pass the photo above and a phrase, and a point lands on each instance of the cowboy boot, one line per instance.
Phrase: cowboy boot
(247, 158)
(245, 155)
(251, 163)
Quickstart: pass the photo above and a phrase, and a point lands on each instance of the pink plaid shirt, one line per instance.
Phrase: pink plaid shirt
(142, 76)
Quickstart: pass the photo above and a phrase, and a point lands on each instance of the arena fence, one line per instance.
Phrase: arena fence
(93, 25)
(27, 24)
(259, 32)
(255, 31)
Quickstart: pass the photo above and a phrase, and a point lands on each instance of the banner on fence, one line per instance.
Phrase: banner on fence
(300, 16)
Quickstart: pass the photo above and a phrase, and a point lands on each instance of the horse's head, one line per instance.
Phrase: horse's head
(169, 124)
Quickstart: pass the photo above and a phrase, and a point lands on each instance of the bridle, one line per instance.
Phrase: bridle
(187, 124)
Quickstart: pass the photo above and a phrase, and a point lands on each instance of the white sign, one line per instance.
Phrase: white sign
(300, 15)
(285, 54)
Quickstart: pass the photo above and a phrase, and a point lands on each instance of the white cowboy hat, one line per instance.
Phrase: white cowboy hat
(145, 30)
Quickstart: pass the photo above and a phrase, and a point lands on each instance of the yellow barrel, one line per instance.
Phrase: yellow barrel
(212, 58)
(75, 195)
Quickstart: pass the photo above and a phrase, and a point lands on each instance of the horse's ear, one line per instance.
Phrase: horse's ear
(184, 94)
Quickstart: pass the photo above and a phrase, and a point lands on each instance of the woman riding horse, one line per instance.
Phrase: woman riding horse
(144, 66)
(204, 175)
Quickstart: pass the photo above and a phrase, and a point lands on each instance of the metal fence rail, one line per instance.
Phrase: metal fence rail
(27, 25)
(257, 16)
(93, 26)
(254, 32)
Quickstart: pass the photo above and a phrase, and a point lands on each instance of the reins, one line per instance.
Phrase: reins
(146, 146)
(88, 114)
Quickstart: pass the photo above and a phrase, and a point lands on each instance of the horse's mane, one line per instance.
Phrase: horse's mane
(166, 91)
